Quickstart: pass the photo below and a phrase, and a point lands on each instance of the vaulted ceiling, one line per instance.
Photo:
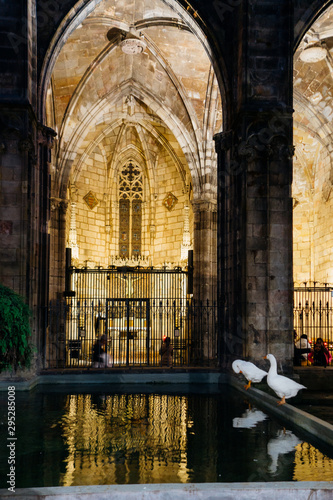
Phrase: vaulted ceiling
(135, 67)
(313, 104)
(169, 91)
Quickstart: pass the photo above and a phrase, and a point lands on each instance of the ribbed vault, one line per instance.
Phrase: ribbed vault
(132, 81)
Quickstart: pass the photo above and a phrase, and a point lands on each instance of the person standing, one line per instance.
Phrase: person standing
(166, 352)
(101, 358)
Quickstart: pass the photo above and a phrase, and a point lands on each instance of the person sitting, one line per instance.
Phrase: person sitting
(320, 355)
(101, 358)
(166, 352)
(297, 353)
(304, 348)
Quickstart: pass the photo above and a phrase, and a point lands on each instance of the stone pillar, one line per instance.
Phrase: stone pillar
(228, 278)
(254, 175)
(203, 346)
(255, 232)
(268, 225)
(204, 250)
(58, 245)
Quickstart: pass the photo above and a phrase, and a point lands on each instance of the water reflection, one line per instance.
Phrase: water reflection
(124, 439)
(249, 419)
(284, 443)
(105, 438)
(311, 464)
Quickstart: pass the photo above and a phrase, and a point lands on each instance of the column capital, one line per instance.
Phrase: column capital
(223, 141)
(59, 204)
(46, 135)
(204, 206)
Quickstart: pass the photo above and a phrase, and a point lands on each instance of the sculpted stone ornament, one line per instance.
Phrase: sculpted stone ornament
(63, 205)
(313, 54)
(26, 145)
(277, 146)
(132, 45)
(295, 202)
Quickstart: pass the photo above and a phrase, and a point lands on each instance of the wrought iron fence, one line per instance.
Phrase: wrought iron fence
(134, 330)
(313, 315)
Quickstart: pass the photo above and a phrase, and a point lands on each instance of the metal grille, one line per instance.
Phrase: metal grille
(135, 308)
(313, 314)
(134, 329)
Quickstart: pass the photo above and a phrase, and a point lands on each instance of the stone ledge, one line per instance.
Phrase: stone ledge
(203, 491)
(138, 377)
(308, 425)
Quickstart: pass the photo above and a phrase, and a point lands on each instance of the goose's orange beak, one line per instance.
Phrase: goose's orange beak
(265, 357)
(240, 371)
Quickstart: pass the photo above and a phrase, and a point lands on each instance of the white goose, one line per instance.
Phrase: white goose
(250, 371)
(284, 387)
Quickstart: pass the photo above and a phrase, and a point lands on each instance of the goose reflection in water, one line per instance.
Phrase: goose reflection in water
(285, 442)
(249, 419)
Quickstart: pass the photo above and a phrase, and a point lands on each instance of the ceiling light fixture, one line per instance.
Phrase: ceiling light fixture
(131, 42)
(312, 54)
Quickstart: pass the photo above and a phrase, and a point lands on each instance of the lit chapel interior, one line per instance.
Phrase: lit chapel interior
(142, 118)
(135, 103)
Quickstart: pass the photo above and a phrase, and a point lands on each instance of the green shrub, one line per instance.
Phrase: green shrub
(15, 349)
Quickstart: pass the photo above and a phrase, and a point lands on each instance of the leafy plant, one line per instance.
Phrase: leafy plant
(15, 349)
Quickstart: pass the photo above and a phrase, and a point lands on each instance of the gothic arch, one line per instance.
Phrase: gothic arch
(76, 15)
(313, 132)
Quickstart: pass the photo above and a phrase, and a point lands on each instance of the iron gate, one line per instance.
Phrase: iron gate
(134, 329)
(135, 308)
(127, 328)
(313, 314)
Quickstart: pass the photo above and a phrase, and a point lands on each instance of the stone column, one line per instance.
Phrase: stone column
(203, 347)
(268, 225)
(58, 244)
(204, 250)
(255, 233)
(45, 139)
(228, 278)
(255, 170)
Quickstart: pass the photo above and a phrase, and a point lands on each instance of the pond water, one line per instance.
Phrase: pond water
(80, 437)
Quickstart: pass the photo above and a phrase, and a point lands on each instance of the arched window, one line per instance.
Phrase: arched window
(130, 210)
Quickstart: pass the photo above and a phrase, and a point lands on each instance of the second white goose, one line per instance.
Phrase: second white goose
(284, 387)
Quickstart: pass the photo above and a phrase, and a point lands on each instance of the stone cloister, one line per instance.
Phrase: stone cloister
(135, 131)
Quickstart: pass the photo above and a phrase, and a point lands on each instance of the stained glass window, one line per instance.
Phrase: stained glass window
(130, 210)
